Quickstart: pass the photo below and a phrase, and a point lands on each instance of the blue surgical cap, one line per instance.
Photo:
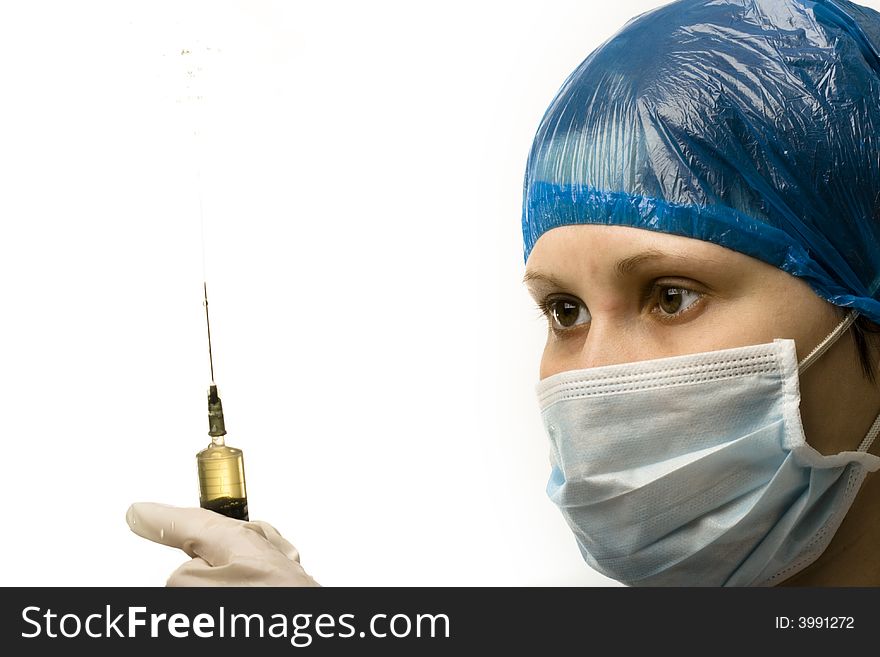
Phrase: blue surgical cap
(752, 124)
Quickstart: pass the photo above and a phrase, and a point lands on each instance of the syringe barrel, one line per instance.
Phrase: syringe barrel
(221, 481)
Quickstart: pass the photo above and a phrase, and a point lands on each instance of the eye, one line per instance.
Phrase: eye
(675, 300)
(566, 312)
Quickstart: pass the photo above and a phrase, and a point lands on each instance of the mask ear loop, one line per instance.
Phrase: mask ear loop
(869, 438)
(826, 344)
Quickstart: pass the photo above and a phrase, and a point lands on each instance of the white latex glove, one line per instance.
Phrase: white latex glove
(224, 551)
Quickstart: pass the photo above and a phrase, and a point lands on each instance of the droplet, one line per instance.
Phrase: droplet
(161, 533)
(172, 525)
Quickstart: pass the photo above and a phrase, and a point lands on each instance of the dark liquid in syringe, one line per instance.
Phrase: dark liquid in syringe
(233, 507)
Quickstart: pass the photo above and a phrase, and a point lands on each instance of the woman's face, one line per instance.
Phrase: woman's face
(615, 294)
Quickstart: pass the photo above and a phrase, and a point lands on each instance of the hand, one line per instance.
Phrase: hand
(224, 551)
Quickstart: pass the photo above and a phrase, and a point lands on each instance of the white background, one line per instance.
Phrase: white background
(360, 167)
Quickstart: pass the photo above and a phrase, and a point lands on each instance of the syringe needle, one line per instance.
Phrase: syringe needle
(208, 321)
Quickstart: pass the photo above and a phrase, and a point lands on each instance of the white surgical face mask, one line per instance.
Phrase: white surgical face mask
(694, 470)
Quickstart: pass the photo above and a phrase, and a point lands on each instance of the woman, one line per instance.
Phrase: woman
(702, 211)
(702, 230)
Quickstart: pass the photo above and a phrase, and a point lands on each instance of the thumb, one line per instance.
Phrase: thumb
(275, 538)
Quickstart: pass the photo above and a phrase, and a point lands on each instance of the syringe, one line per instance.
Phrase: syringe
(221, 468)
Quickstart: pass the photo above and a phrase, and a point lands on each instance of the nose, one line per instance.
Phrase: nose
(607, 342)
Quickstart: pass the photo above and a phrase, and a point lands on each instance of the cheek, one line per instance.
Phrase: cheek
(547, 368)
(782, 306)
(549, 365)
(760, 319)
(561, 355)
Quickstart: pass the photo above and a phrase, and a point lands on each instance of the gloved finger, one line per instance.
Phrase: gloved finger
(174, 526)
(275, 538)
(250, 571)
(198, 572)
(196, 531)
(194, 572)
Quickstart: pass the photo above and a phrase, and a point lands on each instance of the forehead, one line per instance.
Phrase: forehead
(594, 241)
(570, 256)
(598, 246)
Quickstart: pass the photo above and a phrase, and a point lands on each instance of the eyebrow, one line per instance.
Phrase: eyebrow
(630, 264)
(624, 266)
(545, 278)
